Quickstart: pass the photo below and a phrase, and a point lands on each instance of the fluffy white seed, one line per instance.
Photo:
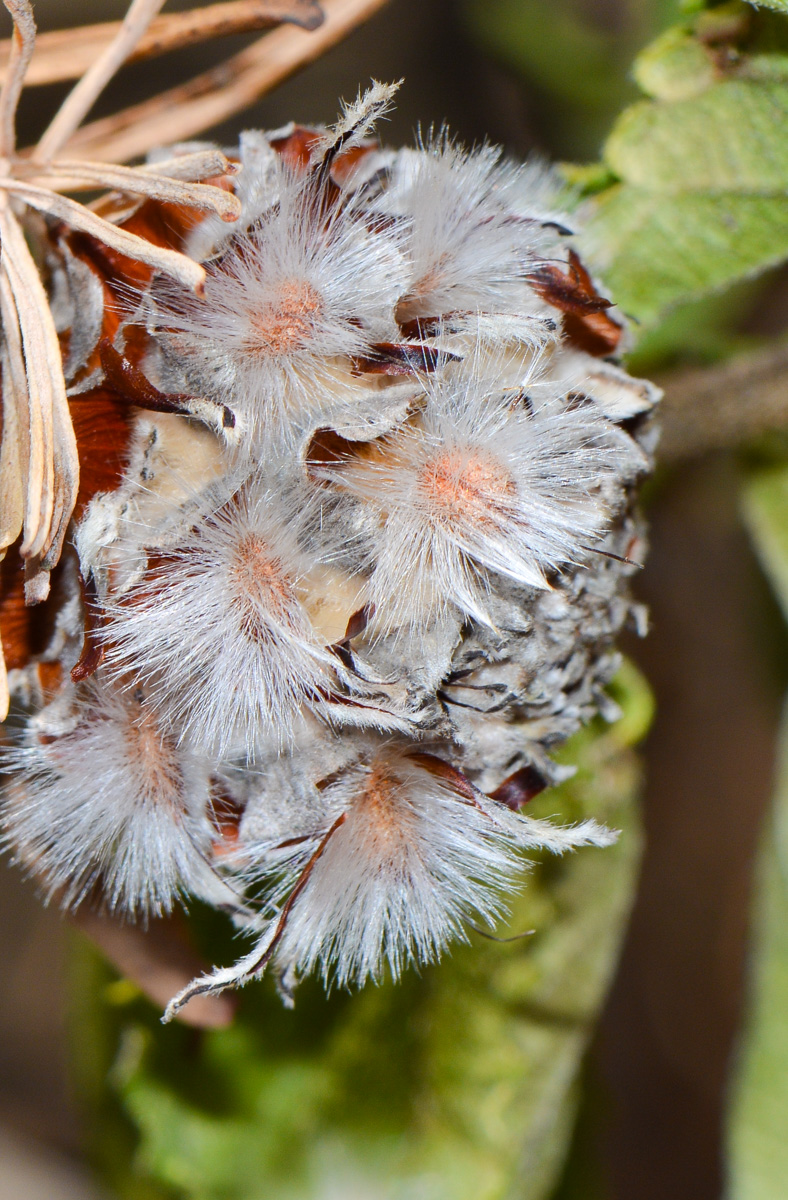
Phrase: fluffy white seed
(306, 286)
(111, 804)
(483, 483)
(470, 245)
(402, 853)
(218, 631)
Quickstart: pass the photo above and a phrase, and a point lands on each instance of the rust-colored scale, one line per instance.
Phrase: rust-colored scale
(25, 631)
(102, 424)
(296, 147)
(586, 324)
(520, 787)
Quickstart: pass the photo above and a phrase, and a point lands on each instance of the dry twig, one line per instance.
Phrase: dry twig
(64, 54)
(720, 407)
(82, 98)
(21, 52)
(212, 97)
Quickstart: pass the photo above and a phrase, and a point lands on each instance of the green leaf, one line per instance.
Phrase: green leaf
(674, 66)
(656, 250)
(758, 1149)
(765, 503)
(458, 1084)
(730, 139)
(701, 193)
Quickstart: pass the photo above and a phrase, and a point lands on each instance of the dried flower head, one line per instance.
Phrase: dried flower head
(348, 546)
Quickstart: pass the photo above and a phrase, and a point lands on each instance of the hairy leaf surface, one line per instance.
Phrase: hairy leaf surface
(699, 171)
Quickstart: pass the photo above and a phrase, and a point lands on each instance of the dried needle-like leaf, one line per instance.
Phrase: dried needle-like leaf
(26, 403)
(14, 447)
(67, 53)
(184, 269)
(74, 176)
(47, 390)
(38, 498)
(202, 164)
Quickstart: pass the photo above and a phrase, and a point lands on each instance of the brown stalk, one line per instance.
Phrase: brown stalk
(159, 960)
(66, 54)
(721, 407)
(227, 89)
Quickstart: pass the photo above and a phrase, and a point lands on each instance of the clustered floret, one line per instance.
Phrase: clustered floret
(362, 568)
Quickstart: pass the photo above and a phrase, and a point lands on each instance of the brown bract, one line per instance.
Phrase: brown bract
(586, 323)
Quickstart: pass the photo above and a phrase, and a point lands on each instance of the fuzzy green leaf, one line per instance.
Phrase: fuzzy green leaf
(657, 250)
(701, 193)
(458, 1084)
(730, 139)
(758, 1148)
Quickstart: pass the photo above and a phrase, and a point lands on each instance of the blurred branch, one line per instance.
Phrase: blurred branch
(67, 53)
(714, 408)
(205, 101)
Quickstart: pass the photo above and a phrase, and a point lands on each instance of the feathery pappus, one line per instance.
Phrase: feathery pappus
(347, 555)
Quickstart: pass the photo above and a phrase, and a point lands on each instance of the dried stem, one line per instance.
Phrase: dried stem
(184, 269)
(82, 98)
(66, 54)
(22, 44)
(76, 176)
(220, 93)
(719, 407)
